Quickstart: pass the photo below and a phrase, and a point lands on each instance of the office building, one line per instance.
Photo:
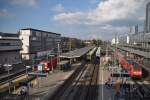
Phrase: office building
(37, 43)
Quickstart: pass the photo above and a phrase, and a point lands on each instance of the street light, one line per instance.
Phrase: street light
(58, 51)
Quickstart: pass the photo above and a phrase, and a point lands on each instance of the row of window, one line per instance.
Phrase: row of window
(9, 44)
(39, 34)
(5, 44)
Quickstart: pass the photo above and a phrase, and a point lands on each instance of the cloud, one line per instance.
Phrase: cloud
(58, 8)
(105, 32)
(70, 18)
(4, 13)
(108, 18)
(25, 2)
(105, 12)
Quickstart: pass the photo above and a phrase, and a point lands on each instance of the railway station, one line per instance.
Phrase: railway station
(80, 50)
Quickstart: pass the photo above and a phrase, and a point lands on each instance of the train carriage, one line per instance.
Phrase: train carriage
(131, 66)
(90, 54)
(48, 65)
(98, 52)
(135, 69)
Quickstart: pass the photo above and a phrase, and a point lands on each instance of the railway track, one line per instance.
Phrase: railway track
(11, 77)
(81, 85)
(143, 90)
(60, 91)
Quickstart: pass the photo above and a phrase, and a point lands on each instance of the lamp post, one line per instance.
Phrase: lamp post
(58, 53)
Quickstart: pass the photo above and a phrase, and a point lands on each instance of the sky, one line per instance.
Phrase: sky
(84, 19)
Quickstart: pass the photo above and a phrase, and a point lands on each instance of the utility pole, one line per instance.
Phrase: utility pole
(70, 49)
(58, 53)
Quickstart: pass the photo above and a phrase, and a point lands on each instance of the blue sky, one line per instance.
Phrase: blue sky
(85, 19)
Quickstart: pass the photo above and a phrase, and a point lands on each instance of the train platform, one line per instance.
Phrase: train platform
(106, 92)
(43, 87)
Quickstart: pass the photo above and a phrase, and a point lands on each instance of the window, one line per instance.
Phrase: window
(6, 59)
(33, 33)
(44, 34)
(38, 34)
(4, 44)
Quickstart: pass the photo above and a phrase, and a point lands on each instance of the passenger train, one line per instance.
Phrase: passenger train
(98, 52)
(134, 69)
(90, 54)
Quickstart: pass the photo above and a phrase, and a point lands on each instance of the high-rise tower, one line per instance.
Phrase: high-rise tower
(147, 22)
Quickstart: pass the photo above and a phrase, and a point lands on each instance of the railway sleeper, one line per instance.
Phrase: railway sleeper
(140, 95)
(145, 91)
(143, 94)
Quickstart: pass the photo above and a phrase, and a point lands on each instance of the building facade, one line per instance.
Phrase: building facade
(147, 22)
(68, 43)
(10, 46)
(140, 40)
(38, 43)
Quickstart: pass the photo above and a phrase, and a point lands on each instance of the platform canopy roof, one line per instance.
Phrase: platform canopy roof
(135, 51)
(76, 53)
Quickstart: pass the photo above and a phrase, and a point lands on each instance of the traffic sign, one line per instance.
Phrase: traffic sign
(39, 74)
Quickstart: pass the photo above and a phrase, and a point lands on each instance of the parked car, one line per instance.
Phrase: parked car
(7, 67)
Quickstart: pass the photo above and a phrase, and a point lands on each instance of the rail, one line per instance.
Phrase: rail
(81, 85)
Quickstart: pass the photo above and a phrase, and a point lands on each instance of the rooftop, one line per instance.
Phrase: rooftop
(40, 31)
(76, 53)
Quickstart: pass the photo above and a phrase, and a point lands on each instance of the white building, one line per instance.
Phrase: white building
(141, 40)
(10, 46)
(115, 41)
(38, 43)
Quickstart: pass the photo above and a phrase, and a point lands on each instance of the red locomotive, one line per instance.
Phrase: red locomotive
(135, 69)
(48, 65)
(131, 66)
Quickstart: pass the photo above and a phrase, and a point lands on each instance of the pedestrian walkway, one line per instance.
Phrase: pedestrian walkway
(107, 92)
